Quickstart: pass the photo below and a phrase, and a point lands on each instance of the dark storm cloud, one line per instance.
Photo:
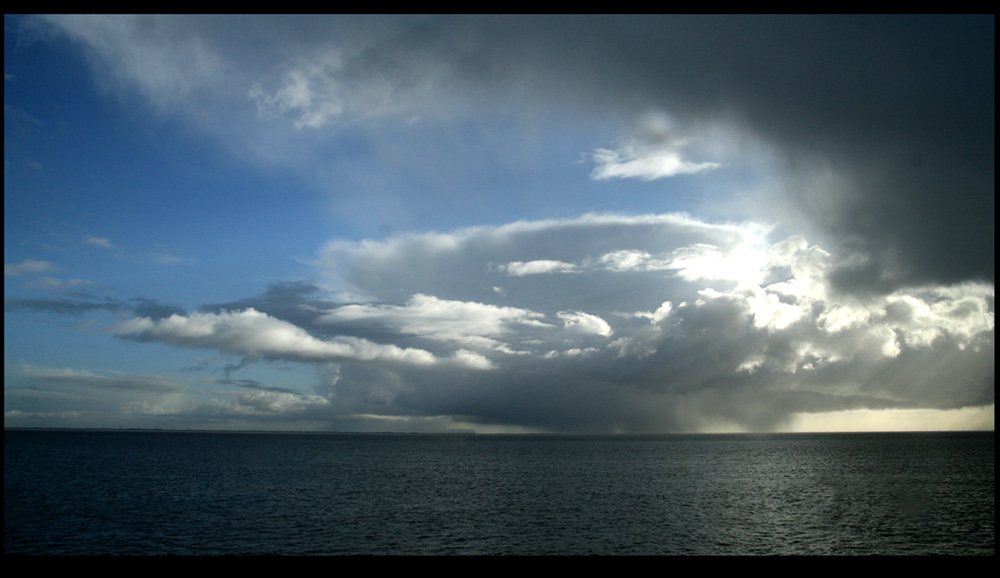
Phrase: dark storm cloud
(899, 108)
(883, 126)
(696, 376)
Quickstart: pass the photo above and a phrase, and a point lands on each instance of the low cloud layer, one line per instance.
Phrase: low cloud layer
(611, 344)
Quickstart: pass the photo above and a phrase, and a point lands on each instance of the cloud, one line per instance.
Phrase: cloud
(470, 323)
(141, 306)
(107, 380)
(539, 267)
(28, 267)
(637, 161)
(880, 124)
(55, 284)
(38, 396)
(649, 340)
(255, 334)
(276, 402)
(585, 323)
(14, 116)
(152, 257)
(98, 242)
(466, 264)
(771, 340)
(163, 57)
(158, 258)
(309, 93)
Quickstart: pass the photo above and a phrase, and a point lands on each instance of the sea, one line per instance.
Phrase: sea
(172, 493)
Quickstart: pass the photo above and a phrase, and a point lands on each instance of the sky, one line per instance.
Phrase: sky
(517, 224)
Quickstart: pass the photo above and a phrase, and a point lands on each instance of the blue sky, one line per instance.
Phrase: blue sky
(501, 224)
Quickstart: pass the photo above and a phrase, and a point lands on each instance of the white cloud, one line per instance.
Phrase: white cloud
(539, 267)
(659, 315)
(467, 358)
(465, 322)
(255, 334)
(632, 260)
(458, 263)
(777, 283)
(585, 323)
(636, 160)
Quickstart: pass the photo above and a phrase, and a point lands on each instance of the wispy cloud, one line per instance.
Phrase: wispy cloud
(107, 380)
(28, 268)
(59, 285)
(147, 52)
(85, 304)
(18, 116)
(157, 257)
(98, 242)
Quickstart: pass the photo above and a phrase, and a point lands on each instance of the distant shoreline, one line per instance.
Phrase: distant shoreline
(494, 435)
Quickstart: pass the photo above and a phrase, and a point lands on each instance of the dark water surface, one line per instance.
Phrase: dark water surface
(173, 493)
